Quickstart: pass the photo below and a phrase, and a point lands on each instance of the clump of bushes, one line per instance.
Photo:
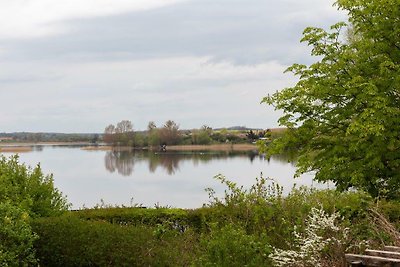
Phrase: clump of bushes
(16, 237)
(29, 189)
(70, 241)
(256, 226)
(25, 193)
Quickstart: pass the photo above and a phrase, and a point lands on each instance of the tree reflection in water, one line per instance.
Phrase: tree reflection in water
(123, 161)
(120, 161)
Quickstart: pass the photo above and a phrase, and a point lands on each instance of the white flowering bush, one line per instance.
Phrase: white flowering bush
(321, 232)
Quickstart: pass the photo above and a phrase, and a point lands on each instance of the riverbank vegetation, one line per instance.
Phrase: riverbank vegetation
(243, 226)
(254, 227)
(123, 134)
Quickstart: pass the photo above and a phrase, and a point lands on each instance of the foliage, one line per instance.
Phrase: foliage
(201, 137)
(343, 114)
(16, 237)
(240, 228)
(70, 241)
(29, 189)
(24, 193)
(232, 246)
(175, 218)
(321, 233)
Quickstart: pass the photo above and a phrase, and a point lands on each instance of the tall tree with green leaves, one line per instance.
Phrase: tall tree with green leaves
(343, 114)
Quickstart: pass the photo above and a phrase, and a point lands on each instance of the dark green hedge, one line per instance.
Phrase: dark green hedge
(178, 218)
(71, 241)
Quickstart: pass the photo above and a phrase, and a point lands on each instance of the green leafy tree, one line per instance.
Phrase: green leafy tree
(343, 115)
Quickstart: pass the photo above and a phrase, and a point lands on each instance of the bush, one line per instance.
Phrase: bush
(29, 189)
(24, 193)
(232, 246)
(70, 241)
(237, 229)
(16, 237)
(313, 247)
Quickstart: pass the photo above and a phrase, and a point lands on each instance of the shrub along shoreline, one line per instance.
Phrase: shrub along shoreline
(257, 226)
(253, 227)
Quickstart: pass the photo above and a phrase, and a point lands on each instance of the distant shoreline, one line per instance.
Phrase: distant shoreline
(21, 147)
(27, 147)
(214, 147)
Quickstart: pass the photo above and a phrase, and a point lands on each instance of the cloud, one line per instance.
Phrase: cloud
(34, 18)
(248, 32)
(190, 90)
(80, 65)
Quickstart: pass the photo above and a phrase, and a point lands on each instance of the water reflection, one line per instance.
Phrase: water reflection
(123, 161)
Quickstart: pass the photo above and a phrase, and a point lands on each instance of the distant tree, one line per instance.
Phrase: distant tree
(94, 139)
(109, 132)
(251, 135)
(170, 134)
(122, 134)
(151, 126)
(202, 136)
(207, 129)
(153, 134)
(124, 126)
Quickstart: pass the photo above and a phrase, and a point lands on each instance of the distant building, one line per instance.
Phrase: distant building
(2, 139)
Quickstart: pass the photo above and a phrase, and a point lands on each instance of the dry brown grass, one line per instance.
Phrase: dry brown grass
(218, 147)
(97, 148)
(15, 149)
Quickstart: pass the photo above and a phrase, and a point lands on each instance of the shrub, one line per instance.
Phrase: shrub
(322, 233)
(29, 188)
(70, 241)
(232, 246)
(16, 237)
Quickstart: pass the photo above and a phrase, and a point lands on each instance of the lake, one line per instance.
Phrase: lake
(149, 178)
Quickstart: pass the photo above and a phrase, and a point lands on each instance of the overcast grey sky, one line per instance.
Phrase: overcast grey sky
(79, 65)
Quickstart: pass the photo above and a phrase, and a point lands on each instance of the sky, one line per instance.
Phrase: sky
(77, 66)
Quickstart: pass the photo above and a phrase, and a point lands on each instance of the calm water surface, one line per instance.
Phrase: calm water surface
(176, 179)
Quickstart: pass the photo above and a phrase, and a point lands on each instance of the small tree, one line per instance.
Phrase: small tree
(170, 134)
(153, 134)
(109, 134)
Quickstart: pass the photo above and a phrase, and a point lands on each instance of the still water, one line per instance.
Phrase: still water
(149, 178)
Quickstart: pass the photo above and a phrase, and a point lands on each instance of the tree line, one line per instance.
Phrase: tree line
(123, 134)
